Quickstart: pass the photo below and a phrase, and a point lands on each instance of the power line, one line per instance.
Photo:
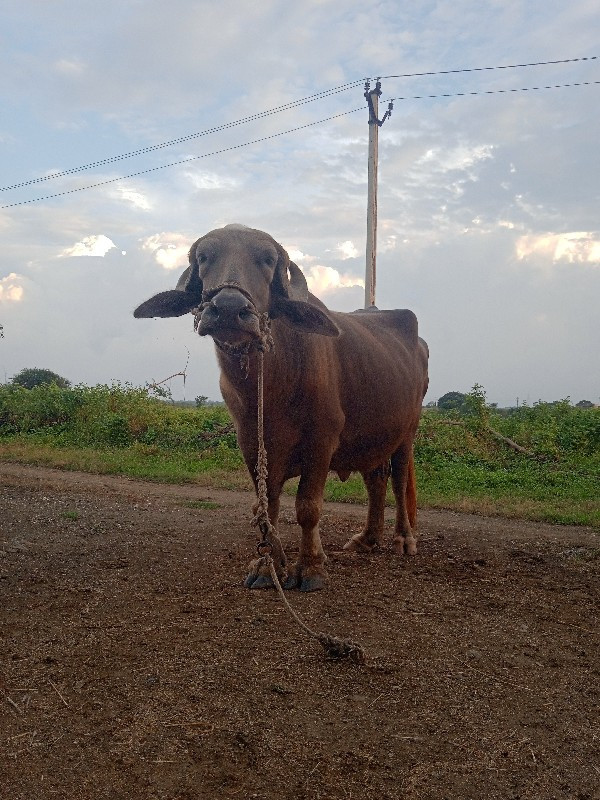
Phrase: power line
(292, 130)
(181, 139)
(484, 69)
(183, 161)
(495, 91)
(279, 109)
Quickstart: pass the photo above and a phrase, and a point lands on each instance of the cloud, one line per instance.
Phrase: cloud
(461, 157)
(210, 180)
(347, 250)
(297, 256)
(89, 246)
(129, 195)
(66, 67)
(10, 290)
(322, 279)
(577, 247)
(170, 249)
(326, 279)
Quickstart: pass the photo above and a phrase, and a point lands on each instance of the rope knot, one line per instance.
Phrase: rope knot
(265, 343)
(337, 649)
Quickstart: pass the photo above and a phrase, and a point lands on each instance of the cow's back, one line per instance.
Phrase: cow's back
(382, 348)
(381, 380)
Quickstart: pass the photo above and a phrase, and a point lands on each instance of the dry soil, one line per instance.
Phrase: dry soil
(135, 665)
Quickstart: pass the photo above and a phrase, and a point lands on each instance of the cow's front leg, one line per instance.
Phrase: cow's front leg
(259, 574)
(309, 574)
(376, 482)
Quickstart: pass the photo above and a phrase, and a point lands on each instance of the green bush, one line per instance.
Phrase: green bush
(111, 416)
(461, 459)
(34, 376)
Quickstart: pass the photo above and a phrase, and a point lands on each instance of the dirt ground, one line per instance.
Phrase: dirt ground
(135, 665)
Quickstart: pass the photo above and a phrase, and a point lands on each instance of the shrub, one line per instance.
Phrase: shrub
(34, 376)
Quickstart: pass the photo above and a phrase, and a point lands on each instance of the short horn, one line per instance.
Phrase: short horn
(298, 287)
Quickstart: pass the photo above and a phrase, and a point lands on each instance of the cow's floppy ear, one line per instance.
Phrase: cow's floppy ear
(179, 301)
(303, 317)
(173, 303)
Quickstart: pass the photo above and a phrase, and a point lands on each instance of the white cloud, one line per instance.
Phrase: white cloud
(388, 243)
(461, 157)
(170, 249)
(89, 246)
(67, 67)
(10, 289)
(324, 279)
(124, 192)
(577, 247)
(297, 256)
(210, 180)
(347, 250)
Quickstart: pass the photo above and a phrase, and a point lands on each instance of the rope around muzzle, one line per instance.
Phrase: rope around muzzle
(335, 648)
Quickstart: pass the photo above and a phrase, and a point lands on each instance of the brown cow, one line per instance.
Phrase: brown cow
(343, 392)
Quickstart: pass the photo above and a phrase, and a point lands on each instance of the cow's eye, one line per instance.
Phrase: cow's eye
(268, 261)
(202, 258)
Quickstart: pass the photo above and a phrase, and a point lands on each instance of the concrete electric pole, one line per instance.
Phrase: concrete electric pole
(372, 97)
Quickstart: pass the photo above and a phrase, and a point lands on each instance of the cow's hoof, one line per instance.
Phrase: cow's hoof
(291, 582)
(314, 584)
(307, 580)
(259, 582)
(405, 546)
(259, 575)
(357, 544)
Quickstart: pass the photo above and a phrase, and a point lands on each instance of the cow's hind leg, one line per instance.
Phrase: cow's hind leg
(405, 492)
(376, 483)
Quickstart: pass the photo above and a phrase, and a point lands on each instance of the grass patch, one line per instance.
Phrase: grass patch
(462, 462)
(162, 467)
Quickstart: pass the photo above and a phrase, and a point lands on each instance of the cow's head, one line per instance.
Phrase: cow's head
(235, 274)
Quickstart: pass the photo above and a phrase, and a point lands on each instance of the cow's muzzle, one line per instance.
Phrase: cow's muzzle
(229, 315)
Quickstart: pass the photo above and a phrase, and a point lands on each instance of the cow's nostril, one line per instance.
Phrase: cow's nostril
(245, 314)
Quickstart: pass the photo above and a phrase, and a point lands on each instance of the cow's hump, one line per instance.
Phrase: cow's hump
(401, 319)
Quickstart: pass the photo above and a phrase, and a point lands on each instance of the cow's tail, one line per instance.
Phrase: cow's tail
(411, 492)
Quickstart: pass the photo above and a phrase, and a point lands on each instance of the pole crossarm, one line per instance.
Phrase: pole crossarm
(373, 118)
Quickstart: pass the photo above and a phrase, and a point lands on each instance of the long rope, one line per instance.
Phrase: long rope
(334, 647)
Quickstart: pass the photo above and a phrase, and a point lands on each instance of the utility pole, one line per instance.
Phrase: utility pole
(372, 97)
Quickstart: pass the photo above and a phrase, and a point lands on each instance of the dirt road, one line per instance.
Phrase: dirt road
(134, 665)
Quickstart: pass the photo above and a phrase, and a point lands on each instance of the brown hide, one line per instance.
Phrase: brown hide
(347, 402)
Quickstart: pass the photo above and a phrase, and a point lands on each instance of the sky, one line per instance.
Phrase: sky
(488, 198)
